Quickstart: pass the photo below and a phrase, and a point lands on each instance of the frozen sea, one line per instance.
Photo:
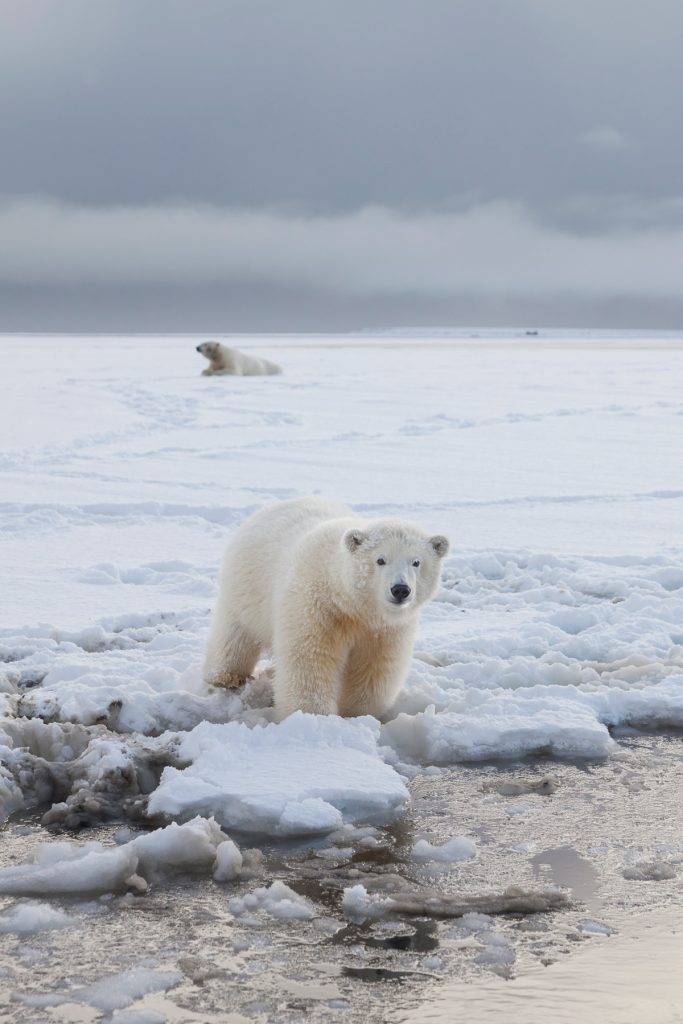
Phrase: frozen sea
(536, 743)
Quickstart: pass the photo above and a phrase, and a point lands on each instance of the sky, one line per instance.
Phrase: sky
(290, 165)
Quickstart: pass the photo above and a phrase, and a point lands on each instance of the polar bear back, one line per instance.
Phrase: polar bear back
(231, 360)
(254, 366)
(263, 553)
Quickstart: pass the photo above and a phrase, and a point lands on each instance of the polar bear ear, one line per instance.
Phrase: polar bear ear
(354, 538)
(440, 545)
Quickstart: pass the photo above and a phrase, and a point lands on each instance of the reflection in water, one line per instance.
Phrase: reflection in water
(631, 978)
(419, 939)
(380, 974)
(569, 870)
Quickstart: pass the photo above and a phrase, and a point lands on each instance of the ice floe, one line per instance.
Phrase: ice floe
(453, 851)
(71, 868)
(302, 776)
(26, 918)
(117, 991)
(277, 900)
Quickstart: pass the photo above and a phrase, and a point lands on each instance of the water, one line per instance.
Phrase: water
(635, 977)
(568, 869)
(599, 819)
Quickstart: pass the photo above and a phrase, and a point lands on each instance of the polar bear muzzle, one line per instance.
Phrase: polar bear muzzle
(400, 592)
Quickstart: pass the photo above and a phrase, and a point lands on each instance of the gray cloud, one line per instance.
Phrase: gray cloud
(247, 306)
(237, 102)
(374, 147)
(495, 249)
(606, 139)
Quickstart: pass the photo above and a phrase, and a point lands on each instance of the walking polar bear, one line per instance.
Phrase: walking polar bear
(334, 597)
(225, 360)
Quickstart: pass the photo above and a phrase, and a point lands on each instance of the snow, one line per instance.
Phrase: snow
(454, 850)
(587, 926)
(476, 923)
(120, 990)
(278, 900)
(68, 868)
(650, 871)
(550, 461)
(359, 905)
(563, 721)
(193, 845)
(228, 863)
(65, 867)
(29, 917)
(495, 955)
(297, 777)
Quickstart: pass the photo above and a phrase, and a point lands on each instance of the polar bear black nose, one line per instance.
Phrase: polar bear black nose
(199, 348)
(400, 591)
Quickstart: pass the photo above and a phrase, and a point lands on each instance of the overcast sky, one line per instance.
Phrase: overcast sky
(245, 165)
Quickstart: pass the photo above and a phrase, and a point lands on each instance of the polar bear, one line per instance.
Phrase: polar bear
(225, 360)
(335, 598)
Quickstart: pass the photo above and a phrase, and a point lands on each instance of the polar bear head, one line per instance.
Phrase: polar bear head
(210, 349)
(393, 565)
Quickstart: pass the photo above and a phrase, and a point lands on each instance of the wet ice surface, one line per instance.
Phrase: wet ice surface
(515, 757)
(197, 944)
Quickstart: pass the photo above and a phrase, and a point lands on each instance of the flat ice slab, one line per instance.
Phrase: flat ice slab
(307, 774)
(564, 721)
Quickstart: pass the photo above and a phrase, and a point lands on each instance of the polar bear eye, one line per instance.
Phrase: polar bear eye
(381, 561)
(416, 563)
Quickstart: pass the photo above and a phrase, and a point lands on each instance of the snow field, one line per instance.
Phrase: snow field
(559, 622)
(517, 655)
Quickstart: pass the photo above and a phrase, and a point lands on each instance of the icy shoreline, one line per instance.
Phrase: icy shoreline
(557, 636)
(525, 650)
(322, 919)
(519, 654)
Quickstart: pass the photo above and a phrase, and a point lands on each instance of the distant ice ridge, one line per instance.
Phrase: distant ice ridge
(306, 775)
(515, 333)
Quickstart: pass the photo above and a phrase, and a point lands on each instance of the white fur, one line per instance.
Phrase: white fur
(301, 580)
(225, 360)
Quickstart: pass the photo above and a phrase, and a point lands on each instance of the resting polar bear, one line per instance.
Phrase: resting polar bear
(223, 360)
(335, 598)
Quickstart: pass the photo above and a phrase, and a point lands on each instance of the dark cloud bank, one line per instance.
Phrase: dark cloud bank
(316, 165)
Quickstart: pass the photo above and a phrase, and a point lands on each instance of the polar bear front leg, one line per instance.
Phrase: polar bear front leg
(231, 653)
(375, 672)
(308, 668)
